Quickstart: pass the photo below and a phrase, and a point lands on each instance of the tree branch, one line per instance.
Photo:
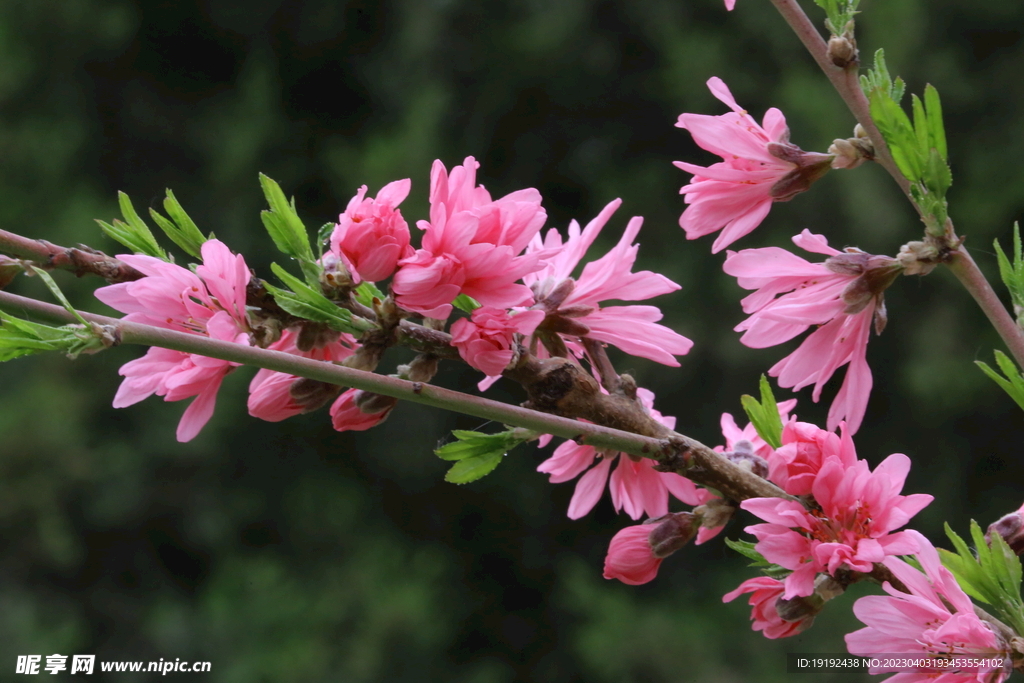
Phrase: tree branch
(676, 452)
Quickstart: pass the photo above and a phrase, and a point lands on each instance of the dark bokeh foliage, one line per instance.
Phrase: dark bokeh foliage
(289, 552)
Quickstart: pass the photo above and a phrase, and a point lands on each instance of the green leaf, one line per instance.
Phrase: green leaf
(936, 129)
(366, 292)
(22, 338)
(747, 550)
(477, 454)
(283, 222)
(764, 415)
(466, 303)
(992, 574)
(1013, 383)
(323, 235)
(181, 229)
(305, 302)
(134, 234)
(1013, 275)
(59, 295)
(471, 469)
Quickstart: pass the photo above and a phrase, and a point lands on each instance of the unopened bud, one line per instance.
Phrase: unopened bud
(312, 394)
(672, 532)
(371, 403)
(422, 368)
(335, 275)
(1011, 528)
(842, 50)
(743, 454)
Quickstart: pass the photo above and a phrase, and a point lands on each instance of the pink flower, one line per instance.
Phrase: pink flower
(805, 448)
(759, 167)
(630, 559)
(574, 306)
(270, 393)
(470, 245)
(371, 235)
(729, 4)
(841, 295)
(935, 620)
(357, 411)
(210, 302)
(850, 528)
(485, 340)
(636, 487)
(765, 593)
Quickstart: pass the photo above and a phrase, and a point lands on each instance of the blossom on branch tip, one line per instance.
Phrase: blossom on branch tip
(485, 339)
(209, 302)
(573, 306)
(759, 166)
(636, 487)
(934, 620)
(842, 295)
(371, 236)
(471, 245)
(851, 526)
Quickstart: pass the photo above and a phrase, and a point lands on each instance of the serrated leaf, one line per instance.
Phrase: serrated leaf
(466, 303)
(283, 222)
(471, 469)
(323, 235)
(1013, 383)
(305, 302)
(938, 177)
(936, 128)
(1012, 275)
(134, 233)
(181, 229)
(55, 290)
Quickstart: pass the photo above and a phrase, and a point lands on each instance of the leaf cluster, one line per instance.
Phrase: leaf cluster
(1012, 383)
(288, 231)
(918, 146)
(307, 302)
(993, 575)
(839, 13)
(136, 235)
(477, 454)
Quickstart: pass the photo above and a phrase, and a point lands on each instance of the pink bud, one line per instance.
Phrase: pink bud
(1011, 528)
(630, 558)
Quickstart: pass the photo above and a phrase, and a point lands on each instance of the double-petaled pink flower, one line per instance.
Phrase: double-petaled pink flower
(934, 621)
(485, 339)
(573, 306)
(371, 236)
(765, 593)
(471, 245)
(636, 487)
(841, 296)
(271, 394)
(851, 527)
(805, 448)
(759, 167)
(209, 302)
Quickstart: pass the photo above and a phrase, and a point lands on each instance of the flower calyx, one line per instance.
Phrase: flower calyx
(875, 274)
(842, 49)
(810, 166)
(673, 531)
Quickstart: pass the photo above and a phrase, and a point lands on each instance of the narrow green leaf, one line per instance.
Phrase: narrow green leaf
(920, 126)
(936, 129)
(181, 229)
(471, 469)
(305, 302)
(764, 415)
(1013, 384)
(747, 550)
(55, 290)
(283, 222)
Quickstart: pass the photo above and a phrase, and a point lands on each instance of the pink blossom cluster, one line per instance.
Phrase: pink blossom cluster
(932, 620)
(520, 290)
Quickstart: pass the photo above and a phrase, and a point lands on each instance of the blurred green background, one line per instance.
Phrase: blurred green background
(290, 552)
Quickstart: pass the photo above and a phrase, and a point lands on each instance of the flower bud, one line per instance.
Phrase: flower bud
(842, 50)
(799, 608)
(312, 394)
(672, 533)
(1011, 528)
(743, 454)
